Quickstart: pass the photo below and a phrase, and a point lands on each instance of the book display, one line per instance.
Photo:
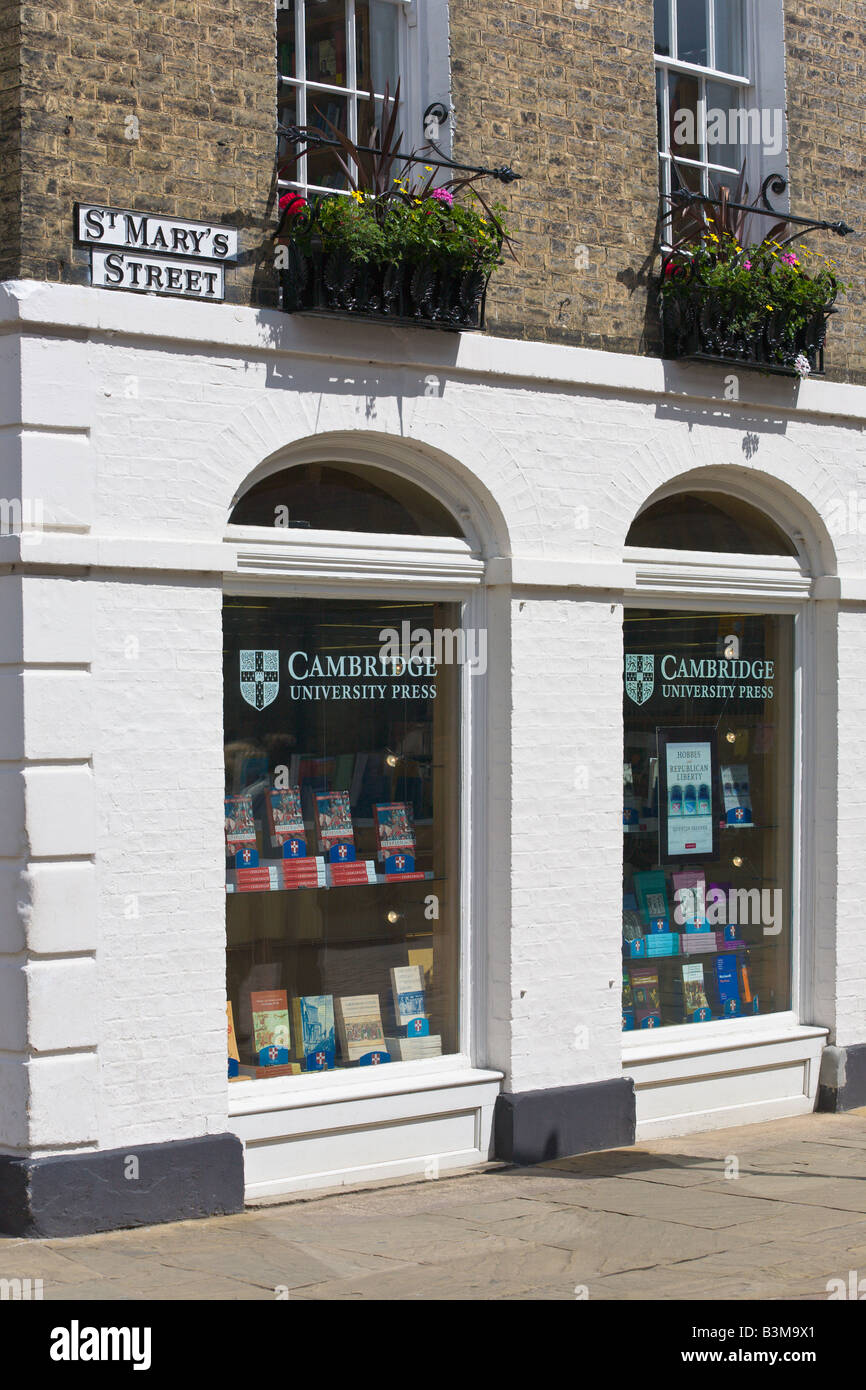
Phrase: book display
(708, 753)
(342, 789)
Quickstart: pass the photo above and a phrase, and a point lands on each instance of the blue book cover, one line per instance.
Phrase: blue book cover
(727, 988)
(314, 1030)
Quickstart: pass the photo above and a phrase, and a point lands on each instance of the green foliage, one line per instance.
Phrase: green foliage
(751, 283)
(399, 226)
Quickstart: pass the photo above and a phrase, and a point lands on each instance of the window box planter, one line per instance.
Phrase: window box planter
(701, 328)
(428, 294)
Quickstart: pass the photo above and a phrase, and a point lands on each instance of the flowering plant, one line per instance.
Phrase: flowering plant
(751, 284)
(393, 217)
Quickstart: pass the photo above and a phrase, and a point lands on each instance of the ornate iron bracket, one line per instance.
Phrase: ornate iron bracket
(775, 183)
(503, 172)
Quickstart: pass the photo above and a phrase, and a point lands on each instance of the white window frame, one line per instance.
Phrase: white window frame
(674, 580)
(407, 62)
(346, 565)
(761, 84)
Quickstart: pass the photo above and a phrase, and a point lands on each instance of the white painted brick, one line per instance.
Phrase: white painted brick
(62, 1004)
(14, 907)
(12, 837)
(62, 912)
(57, 620)
(64, 1093)
(536, 449)
(61, 816)
(11, 715)
(58, 714)
(13, 1006)
(58, 474)
(14, 1094)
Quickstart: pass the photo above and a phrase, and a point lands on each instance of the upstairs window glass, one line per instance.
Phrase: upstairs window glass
(703, 85)
(335, 59)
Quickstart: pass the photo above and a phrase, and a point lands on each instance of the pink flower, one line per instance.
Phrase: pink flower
(443, 196)
(747, 265)
(789, 259)
(292, 203)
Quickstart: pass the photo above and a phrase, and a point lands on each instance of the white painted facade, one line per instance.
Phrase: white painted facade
(136, 421)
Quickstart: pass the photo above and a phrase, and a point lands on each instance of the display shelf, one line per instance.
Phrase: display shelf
(272, 876)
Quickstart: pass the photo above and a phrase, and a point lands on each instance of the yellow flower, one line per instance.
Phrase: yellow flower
(769, 306)
(358, 197)
(428, 168)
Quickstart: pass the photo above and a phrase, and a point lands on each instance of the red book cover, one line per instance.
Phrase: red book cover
(334, 820)
(395, 831)
(285, 819)
(240, 825)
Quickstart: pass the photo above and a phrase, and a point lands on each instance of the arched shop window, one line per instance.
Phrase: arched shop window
(343, 794)
(343, 497)
(709, 777)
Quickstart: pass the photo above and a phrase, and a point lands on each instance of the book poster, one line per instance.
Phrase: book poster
(689, 800)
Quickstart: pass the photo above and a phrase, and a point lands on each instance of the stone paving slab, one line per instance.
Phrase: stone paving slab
(656, 1221)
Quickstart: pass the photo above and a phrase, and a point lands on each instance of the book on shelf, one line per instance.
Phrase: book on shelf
(414, 1049)
(313, 1028)
(726, 986)
(395, 832)
(632, 924)
(333, 820)
(697, 943)
(234, 1059)
(271, 1033)
(278, 1069)
(359, 1026)
(627, 1003)
(695, 1003)
(662, 943)
(690, 900)
(736, 794)
(240, 824)
(652, 896)
(748, 998)
(407, 994)
(647, 1000)
(423, 956)
(285, 818)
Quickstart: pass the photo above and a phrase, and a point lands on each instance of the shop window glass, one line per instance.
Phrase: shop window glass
(344, 497)
(711, 522)
(707, 816)
(342, 821)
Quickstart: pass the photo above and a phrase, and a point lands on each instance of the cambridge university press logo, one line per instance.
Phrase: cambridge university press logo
(639, 677)
(260, 677)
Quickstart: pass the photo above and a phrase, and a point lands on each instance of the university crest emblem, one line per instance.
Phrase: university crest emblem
(639, 677)
(260, 677)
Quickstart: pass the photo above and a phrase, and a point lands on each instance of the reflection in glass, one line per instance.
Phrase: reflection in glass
(662, 27)
(376, 30)
(692, 32)
(685, 131)
(352, 736)
(730, 37)
(722, 105)
(707, 937)
(326, 42)
(324, 110)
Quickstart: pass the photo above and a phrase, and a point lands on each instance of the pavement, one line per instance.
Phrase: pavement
(770, 1211)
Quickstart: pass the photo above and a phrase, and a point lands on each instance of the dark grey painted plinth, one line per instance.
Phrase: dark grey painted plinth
(536, 1126)
(842, 1083)
(75, 1194)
